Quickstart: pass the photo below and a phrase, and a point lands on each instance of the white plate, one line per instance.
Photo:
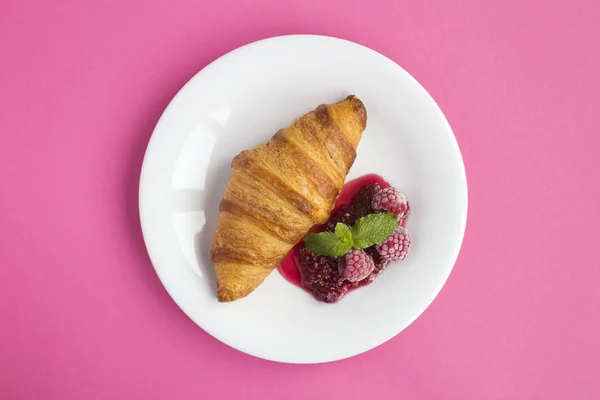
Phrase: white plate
(241, 100)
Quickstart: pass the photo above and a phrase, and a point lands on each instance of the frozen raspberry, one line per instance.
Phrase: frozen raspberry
(356, 266)
(391, 200)
(395, 247)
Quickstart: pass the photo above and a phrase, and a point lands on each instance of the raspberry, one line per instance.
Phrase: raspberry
(391, 200)
(356, 266)
(395, 247)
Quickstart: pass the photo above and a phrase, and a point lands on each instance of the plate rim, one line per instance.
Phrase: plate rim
(144, 172)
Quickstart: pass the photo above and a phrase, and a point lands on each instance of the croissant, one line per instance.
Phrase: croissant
(279, 190)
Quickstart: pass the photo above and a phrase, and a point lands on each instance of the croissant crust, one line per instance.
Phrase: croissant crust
(279, 190)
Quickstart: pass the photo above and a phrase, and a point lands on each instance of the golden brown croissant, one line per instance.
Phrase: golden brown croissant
(279, 190)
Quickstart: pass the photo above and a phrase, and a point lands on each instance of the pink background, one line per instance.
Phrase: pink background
(84, 316)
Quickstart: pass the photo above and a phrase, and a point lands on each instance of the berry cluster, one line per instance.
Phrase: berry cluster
(358, 264)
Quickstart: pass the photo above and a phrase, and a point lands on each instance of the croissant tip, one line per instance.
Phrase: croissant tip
(359, 107)
(226, 297)
(228, 294)
(225, 293)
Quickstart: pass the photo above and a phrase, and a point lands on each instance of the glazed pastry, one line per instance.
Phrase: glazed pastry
(279, 190)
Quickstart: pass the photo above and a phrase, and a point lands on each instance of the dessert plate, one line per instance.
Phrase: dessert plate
(241, 100)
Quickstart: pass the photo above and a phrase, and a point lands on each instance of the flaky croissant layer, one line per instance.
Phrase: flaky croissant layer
(279, 190)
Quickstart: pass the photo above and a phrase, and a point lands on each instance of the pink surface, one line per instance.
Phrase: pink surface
(84, 316)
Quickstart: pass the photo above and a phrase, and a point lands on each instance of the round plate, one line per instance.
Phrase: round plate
(240, 101)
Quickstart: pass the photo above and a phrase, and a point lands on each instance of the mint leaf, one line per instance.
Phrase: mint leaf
(373, 229)
(326, 244)
(366, 232)
(343, 232)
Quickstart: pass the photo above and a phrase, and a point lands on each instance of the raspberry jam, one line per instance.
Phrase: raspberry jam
(319, 274)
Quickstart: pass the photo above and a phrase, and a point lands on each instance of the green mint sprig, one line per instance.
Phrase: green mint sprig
(366, 232)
